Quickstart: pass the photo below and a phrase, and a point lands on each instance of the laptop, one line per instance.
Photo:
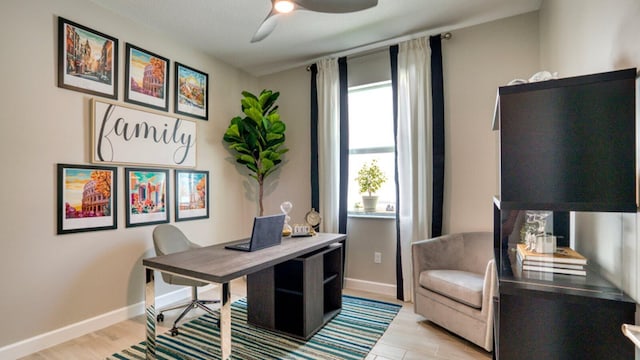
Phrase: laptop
(267, 232)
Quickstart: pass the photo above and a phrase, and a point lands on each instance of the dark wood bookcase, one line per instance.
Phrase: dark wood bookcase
(300, 296)
(557, 155)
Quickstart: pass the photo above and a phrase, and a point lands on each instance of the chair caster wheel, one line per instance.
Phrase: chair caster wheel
(174, 331)
(160, 317)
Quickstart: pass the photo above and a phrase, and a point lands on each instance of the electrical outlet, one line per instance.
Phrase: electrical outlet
(377, 257)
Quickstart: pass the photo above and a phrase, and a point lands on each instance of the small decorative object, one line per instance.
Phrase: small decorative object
(313, 219)
(370, 178)
(86, 198)
(147, 78)
(257, 138)
(301, 230)
(146, 196)
(87, 60)
(286, 209)
(192, 92)
(192, 194)
(534, 226)
(545, 244)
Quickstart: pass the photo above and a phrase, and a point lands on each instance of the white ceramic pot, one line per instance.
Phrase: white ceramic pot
(369, 203)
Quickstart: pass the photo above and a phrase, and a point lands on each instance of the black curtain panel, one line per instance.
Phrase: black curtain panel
(437, 96)
(315, 192)
(393, 54)
(344, 145)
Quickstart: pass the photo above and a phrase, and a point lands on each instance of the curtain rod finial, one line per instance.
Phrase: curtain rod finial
(446, 36)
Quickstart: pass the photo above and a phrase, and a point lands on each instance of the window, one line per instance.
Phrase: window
(371, 137)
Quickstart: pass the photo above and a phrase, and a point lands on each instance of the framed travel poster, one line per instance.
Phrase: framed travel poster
(146, 196)
(192, 194)
(192, 92)
(86, 198)
(147, 78)
(87, 60)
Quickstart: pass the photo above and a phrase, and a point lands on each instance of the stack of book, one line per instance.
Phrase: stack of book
(564, 261)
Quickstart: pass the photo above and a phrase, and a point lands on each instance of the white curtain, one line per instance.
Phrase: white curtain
(414, 147)
(328, 84)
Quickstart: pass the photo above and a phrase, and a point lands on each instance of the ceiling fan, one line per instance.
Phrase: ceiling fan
(279, 7)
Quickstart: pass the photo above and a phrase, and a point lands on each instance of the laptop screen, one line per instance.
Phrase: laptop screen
(267, 231)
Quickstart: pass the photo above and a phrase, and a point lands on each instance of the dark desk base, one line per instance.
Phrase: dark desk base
(297, 297)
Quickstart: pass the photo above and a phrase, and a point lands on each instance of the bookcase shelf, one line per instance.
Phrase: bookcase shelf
(300, 296)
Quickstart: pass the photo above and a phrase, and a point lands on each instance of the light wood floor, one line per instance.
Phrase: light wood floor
(409, 337)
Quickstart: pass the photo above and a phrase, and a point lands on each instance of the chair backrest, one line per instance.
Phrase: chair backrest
(168, 239)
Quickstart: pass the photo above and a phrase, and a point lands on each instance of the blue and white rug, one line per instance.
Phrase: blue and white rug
(350, 335)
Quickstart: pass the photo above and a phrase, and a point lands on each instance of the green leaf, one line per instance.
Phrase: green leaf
(247, 94)
(233, 131)
(273, 136)
(254, 114)
(278, 127)
(246, 159)
(264, 97)
(249, 103)
(270, 101)
(266, 164)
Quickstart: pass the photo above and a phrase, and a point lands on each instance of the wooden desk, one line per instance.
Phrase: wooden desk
(215, 264)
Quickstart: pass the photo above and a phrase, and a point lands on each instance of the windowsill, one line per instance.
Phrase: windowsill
(391, 215)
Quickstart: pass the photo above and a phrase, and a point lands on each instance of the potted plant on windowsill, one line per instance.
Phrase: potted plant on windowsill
(370, 178)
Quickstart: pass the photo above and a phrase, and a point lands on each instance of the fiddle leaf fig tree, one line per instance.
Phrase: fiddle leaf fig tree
(256, 137)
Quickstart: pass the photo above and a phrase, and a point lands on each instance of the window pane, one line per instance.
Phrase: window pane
(371, 137)
(371, 116)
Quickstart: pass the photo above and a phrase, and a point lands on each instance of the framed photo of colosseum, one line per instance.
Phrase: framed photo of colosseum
(192, 92)
(146, 78)
(86, 198)
(87, 60)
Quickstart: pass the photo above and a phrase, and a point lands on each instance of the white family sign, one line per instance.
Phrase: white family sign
(124, 135)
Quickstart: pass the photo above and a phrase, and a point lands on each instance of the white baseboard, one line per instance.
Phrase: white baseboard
(370, 286)
(58, 336)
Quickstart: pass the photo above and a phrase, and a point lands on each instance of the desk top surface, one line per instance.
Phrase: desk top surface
(216, 264)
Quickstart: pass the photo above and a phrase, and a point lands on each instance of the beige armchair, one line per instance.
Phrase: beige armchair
(454, 283)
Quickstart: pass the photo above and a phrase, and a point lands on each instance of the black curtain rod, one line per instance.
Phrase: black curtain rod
(445, 36)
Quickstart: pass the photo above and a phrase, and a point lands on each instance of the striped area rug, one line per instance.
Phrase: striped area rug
(350, 335)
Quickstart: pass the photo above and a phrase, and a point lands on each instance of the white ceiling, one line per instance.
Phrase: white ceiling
(223, 28)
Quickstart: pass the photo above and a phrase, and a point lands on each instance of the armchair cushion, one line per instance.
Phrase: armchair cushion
(462, 286)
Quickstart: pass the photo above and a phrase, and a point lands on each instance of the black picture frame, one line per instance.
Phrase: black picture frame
(154, 91)
(191, 194)
(147, 196)
(191, 92)
(87, 60)
(87, 198)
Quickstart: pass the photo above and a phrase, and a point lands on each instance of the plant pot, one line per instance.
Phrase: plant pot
(369, 203)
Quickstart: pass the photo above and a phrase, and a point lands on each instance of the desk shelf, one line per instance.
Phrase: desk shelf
(299, 296)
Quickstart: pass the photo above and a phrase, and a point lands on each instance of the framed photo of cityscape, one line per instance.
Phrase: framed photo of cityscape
(146, 196)
(146, 77)
(192, 92)
(86, 198)
(192, 194)
(87, 60)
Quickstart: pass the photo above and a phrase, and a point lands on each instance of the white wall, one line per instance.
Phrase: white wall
(580, 37)
(477, 60)
(50, 281)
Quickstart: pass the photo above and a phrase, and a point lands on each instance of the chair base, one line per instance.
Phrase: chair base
(193, 304)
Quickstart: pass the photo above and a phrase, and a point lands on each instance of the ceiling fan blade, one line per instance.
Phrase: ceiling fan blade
(336, 6)
(266, 27)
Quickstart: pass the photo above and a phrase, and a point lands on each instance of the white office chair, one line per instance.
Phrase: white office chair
(168, 239)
